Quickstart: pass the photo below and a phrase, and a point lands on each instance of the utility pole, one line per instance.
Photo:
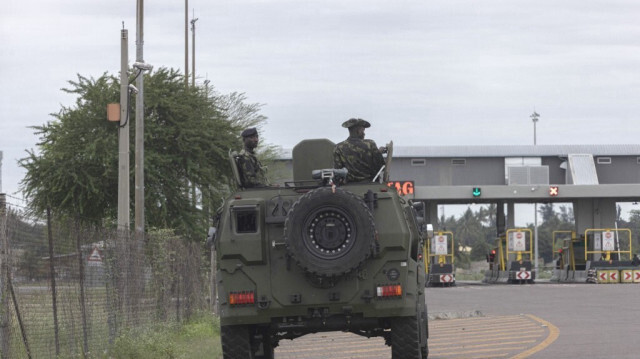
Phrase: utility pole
(193, 50)
(534, 117)
(186, 43)
(139, 170)
(123, 138)
(5, 332)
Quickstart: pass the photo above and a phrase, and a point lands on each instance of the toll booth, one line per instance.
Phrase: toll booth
(439, 260)
(610, 259)
(568, 257)
(511, 260)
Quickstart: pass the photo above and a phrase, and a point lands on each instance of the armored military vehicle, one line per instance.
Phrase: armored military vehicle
(314, 256)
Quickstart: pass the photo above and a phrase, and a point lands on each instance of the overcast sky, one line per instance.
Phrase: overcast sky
(440, 72)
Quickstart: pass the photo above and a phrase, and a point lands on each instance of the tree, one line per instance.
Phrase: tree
(188, 132)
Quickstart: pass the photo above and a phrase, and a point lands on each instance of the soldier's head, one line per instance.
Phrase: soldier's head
(250, 138)
(356, 127)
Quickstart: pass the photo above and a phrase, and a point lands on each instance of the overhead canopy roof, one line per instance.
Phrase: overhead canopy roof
(504, 151)
(515, 151)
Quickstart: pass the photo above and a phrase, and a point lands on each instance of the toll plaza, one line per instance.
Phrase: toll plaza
(593, 179)
(439, 260)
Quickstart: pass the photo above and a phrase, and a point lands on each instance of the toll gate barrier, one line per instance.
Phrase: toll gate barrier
(511, 260)
(439, 260)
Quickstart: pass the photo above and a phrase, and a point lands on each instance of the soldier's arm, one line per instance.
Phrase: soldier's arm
(376, 152)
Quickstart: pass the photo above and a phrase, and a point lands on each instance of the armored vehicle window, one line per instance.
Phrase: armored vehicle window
(246, 219)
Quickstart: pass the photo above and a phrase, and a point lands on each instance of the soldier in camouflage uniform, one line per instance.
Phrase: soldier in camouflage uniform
(362, 158)
(252, 173)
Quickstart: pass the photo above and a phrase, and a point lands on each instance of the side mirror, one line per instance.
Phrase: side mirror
(211, 237)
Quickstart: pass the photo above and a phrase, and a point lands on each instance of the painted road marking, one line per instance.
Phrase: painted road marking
(514, 336)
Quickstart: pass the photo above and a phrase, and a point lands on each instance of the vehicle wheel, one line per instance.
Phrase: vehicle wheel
(423, 326)
(329, 234)
(235, 342)
(264, 348)
(405, 338)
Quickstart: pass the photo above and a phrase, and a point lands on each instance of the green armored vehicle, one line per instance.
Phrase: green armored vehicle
(313, 257)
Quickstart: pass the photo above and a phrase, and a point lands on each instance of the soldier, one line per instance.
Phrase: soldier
(252, 173)
(362, 158)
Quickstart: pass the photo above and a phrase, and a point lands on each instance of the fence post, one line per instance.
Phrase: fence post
(4, 297)
(83, 309)
(111, 283)
(52, 271)
(214, 292)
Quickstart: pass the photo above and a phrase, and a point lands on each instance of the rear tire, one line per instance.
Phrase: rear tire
(242, 342)
(405, 339)
(264, 341)
(235, 342)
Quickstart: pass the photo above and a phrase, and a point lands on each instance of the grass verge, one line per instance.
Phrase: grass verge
(197, 338)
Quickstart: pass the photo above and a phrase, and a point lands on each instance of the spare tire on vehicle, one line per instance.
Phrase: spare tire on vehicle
(330, 233)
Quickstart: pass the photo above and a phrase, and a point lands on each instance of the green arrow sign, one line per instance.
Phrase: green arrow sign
(476, 192)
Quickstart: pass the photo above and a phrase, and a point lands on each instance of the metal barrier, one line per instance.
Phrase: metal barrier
(518, 244)
(609, 242)
(439, 258)
(441, 249)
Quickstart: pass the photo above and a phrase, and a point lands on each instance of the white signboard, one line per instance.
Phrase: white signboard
(441, 248)
(608, 241)
(517, 242)
(95, 258)
(597, 241)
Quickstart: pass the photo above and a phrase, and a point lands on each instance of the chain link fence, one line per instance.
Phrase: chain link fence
(68, 290)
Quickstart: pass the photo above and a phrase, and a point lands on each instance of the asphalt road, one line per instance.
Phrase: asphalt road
(593, 320)
(542, 320)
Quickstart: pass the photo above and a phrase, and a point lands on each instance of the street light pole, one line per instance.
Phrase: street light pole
(534, 117)
(186, 43)
(193, 51)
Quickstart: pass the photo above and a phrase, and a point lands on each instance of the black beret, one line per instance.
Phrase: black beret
(356, 122)
(249, 132)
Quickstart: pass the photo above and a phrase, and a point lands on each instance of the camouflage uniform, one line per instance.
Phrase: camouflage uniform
(361, 157)
(252, 174)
